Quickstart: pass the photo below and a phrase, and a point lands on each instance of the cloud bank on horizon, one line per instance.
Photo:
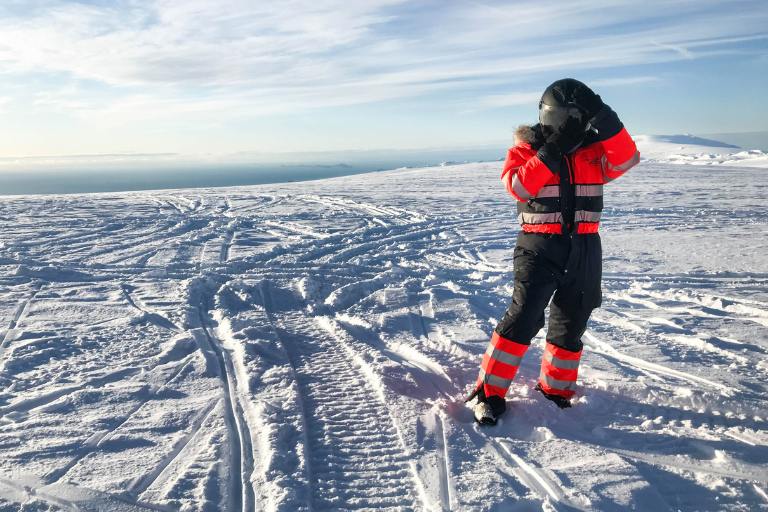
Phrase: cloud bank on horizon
(233, 75)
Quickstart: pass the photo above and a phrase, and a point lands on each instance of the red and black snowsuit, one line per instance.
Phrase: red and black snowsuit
(558, 252)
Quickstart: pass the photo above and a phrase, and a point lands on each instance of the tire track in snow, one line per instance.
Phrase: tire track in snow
(357, 458)
(369, 374)
(241, 495)
(301, 405)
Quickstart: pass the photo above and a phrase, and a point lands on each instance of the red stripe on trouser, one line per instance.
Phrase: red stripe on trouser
(543, 228)
(559, 371)
(583, 228)
(499, 365)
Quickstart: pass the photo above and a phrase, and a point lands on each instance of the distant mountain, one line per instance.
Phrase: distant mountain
(690, 149)
(688, 139)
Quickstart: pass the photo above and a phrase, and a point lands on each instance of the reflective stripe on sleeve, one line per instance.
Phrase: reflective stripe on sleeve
(611, 172)
(519, 189)
(628, 164)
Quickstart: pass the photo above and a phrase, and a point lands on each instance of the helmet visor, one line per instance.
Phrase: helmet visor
(557, 117)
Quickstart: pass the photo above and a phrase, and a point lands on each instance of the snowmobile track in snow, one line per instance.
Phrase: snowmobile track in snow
(357, 460)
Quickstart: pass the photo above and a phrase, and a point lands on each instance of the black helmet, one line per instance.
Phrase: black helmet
(557, 110)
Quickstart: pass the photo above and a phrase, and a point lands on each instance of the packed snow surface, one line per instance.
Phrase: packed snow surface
(307, 346)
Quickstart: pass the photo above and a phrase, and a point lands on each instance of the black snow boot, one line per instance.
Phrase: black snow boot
(488, 409)
(560, 401)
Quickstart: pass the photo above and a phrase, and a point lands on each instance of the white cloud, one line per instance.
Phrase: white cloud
(127, 60)
(509, 100)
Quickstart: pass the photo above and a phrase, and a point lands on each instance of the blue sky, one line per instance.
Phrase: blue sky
(198, 77)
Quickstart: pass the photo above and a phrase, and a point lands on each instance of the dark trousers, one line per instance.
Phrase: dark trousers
(566, 266)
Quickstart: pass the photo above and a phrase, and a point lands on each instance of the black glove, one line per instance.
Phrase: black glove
(559, 144)
(601, 117)
(551, 155)
(606, 123)
(539, 136)
(587, 100)
(569, 137)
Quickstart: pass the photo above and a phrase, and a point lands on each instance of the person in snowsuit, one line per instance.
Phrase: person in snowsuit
(556, 171)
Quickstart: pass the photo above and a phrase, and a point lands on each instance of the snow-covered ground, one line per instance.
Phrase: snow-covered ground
(688, 149)
(307, 346)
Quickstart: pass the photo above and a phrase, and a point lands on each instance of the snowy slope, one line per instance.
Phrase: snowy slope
(689, 149)
(307, 346)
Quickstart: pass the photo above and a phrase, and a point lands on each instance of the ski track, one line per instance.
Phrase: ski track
(144, 482)
(241, 453)
(95, 442)
(541, 484)
(399, 292)
(18, 316)
(444, 464)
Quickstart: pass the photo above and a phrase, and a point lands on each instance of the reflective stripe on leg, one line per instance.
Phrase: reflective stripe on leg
(500, 363)
(569, 364)
(547, 368)
(554, 386)
(559, 370)
(494, 380)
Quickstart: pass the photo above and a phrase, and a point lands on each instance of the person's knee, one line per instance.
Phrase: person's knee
(566, 329)
(520, 324)
(572, 344)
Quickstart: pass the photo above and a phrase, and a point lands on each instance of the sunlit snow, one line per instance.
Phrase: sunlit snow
(308, 345)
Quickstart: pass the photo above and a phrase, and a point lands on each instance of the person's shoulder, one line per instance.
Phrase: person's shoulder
(522, 150)
(525, 138)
